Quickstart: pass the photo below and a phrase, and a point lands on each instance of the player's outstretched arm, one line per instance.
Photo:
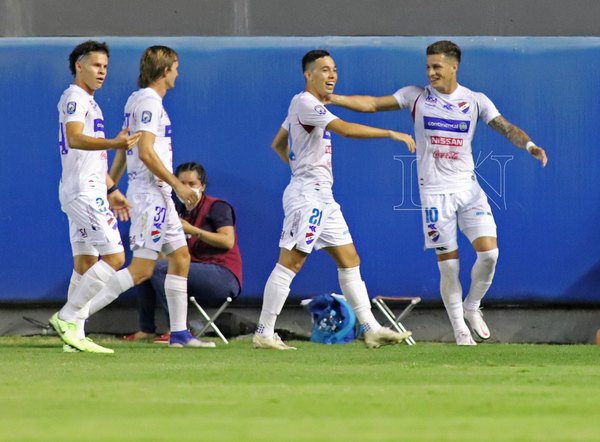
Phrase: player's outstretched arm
(354, 130)
(519, 138)
(280, 145)
(364, 103)
(77, 139)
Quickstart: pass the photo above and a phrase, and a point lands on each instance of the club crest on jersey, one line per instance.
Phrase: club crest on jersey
(71, 107)
(464, 107)
(320, 109)
(146, 117)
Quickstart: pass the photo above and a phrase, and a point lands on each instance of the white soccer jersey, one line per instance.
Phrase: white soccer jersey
(444, 129)
(82, 170)
(310, 144)
(144, 111)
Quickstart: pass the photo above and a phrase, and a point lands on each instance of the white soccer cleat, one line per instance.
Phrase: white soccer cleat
(385, 336)
(270, 342)
(478, 325)
(465, 338)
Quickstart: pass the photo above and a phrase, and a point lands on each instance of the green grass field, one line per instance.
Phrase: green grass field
(432, 392)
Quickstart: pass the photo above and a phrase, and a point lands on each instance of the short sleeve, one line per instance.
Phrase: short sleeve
(75, 108)
(487, 109)
(406, 96)
(286, 124)
(147, 116)
(221, 214)
(312, 113)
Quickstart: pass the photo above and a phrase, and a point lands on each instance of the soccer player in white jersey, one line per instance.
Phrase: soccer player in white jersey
(445, 114)
(313, 219)
(155, 225)
(87, 194)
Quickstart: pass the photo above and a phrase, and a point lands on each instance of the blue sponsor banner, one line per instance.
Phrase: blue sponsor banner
(432, 123)
(168, 131)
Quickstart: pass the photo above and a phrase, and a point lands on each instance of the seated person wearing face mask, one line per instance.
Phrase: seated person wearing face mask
(216, 263)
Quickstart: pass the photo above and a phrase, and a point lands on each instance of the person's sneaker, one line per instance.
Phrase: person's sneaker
(385, 336)
(477, 324)
(91, 347)
(67, 331)
(185, 339)
(68, 349)
(162, 339)
(465, 338)
(270, 342)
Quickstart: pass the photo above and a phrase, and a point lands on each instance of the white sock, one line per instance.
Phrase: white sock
(451, 291)
(276, 292)
(119, 283)
(482, 275)
(355, 292)
(88, 286)
(177, 300)
(80, 321)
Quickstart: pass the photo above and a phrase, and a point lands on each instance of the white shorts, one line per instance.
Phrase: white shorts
(441, 213)
(155, 226)
(310, 223)
(93, 228)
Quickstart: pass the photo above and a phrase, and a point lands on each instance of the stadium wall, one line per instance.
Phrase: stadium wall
(230, 99)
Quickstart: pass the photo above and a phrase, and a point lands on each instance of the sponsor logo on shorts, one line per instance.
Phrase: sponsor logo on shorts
(155, 235)
(460, 126)
(71, 107)
(146, 117)
(320, 109)
(446, 141)
(451, 155)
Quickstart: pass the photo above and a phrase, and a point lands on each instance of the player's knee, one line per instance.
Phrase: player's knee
(488, 259)
(116, 260)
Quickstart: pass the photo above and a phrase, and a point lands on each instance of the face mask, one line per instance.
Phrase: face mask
(198, 192)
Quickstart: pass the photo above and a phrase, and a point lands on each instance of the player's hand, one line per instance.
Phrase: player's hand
(124, 141)
(119, 205)
(405, 138)
(540, 154)
(187, 196)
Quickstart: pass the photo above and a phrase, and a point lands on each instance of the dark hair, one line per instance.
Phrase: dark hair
(445, 47)
(192, 166)
(154, 61)
(84, 49)
(311, 56)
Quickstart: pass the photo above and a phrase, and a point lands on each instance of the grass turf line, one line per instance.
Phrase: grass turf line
(427, 392)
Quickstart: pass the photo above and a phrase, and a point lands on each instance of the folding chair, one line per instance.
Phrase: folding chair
(381, 303)
(211, 321)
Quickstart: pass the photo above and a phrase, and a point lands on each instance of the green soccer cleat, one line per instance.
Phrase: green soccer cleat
(67, 331)
(91, 347)
(68, 349)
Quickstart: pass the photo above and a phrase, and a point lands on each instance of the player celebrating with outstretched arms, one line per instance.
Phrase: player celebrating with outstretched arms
(87, 194)
(445, 115)
(313, 219)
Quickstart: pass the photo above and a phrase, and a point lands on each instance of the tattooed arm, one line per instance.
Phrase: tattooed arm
(519, 138)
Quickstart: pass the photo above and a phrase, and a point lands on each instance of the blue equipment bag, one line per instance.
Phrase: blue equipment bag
(334, 322)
